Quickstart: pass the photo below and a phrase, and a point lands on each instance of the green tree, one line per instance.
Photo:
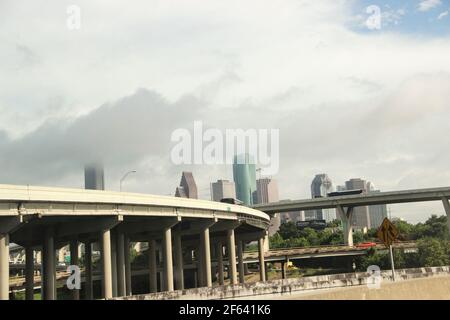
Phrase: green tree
(310, 235)
(289, 230)
(433, 253)
(405, 229)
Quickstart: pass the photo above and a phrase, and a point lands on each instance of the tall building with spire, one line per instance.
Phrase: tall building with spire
(320, 187)
(188, 187)
(244, 175)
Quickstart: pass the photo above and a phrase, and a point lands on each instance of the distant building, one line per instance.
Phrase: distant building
(94, 177)
(293, 216)
(361, 218)
(244, 175)
(222, 189)
(188, 187)
(266, 190)
(377, 213)
(320, 187)
(369, 216)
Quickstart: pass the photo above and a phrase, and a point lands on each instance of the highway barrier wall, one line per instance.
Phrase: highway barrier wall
(307, 285)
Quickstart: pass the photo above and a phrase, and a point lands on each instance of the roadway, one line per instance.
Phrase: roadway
(46, 219)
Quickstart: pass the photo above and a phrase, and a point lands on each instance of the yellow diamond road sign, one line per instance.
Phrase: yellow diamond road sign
(387, 232)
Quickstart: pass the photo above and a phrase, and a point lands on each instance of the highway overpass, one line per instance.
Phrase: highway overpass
(344, 204)
(179, 229)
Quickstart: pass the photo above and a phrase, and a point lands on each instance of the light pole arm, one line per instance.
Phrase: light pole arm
(124, 177)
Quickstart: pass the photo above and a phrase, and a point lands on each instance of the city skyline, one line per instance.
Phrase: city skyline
(347, 100)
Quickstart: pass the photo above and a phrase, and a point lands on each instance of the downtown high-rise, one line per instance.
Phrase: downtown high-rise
(320, 187)
(222, 189)
(188, 187)
(267, 192)
(94, 177)
(244, 175)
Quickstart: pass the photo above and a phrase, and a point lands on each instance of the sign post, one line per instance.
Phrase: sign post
(388, 233)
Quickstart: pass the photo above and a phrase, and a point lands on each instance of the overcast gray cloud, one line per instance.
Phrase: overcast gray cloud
(351, 105)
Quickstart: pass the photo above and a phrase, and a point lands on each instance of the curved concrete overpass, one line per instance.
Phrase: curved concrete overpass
(44, 218)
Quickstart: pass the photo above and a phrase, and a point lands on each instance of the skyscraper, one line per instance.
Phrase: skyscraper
(94, 177)
(361, 218)
(188, 187)
(222, 189)
(244, 175)
(266, 190)
(377, 213)
(320, 187)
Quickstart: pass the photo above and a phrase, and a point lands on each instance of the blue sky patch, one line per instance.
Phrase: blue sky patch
(417, 17)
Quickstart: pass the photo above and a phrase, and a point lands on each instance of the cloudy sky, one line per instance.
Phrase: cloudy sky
(348, 99)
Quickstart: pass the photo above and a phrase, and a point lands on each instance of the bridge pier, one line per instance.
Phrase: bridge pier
(114, 262)
(241, 262)
(128, 286)
(29, 273)
(262, 265)
(200, 264)
(153, 276)
(4, 266)
(74, 262)
(168, 266)
(48, 257)
(88, 271)
(447, 210)
(346, 218)
(105, 237)
(206, 257)
(219, 253)
(231, 257)
(179, 273)
(121, 282)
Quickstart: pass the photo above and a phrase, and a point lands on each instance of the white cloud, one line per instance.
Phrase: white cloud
(348, 104)
(443, 15)
(429, 4)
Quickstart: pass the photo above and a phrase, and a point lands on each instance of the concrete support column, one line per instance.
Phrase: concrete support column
(88, 271)
(447, 211)
(4, 266)
(179, 276)
(232, 256)
(74, 262)
(346, 218)
(128, 283)
(283, 272)
(200, 266)
(114, 262)
(105, 237)
(262, 272)
(168, 264)
(153, 276)
(29, 273)
(121, 283)
(206, 250)
(241, 261)
(48, 257)
(219, 253)
(266, 271)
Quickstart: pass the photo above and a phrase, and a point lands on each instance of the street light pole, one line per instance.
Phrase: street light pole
(124, 177)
